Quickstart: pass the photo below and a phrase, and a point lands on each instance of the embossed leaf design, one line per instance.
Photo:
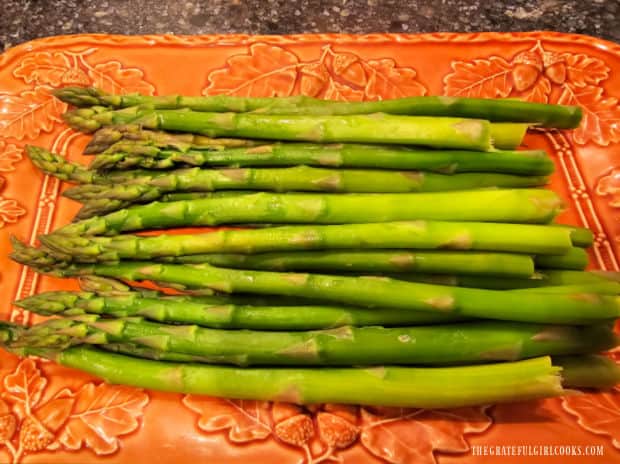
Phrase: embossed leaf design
(8, 422)
(10, 211)
(386, 80)
(314, 78)
(539, 92)
(480, 78)
(112, 77)
(265, 71)
(609, 185)
(348, 67)
(29, 113)
(601, 115)
(414, 435)
(55, 412)
(337, 91)
(9, 155)
(24, 386)
(37, 431)
(100, 415)
(583, 70)
(245, 420)
(292, 425)
(596, 412)
(337, 425)
(43, 68)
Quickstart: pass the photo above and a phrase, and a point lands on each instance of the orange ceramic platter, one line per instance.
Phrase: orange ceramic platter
(56, 415)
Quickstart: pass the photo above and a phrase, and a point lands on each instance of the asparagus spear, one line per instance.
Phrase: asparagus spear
(449, 344)
(520, 205)
(548, 278)
(580, 236)
(478, 236)
(105, 137)
(103, 286)
(588, 371)
(57, 166)
(299, 178)
(603, 288)
(442, 132)
(580, 308)
(440, 262)
(222, 312)
(388, 386)
(576, 258)
(141, 351)
(562, 117)
(506, 135)
(127, 154)
(100, 206)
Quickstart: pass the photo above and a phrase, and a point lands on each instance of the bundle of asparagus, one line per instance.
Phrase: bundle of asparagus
(350, 272)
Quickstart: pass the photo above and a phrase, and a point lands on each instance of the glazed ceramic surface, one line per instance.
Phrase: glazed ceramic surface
(50, 414)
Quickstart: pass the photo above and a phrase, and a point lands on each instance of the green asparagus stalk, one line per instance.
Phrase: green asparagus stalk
(105, 137)
(124, 155)
(436, 132)
(519, 205)
(588, 371)
(507, 135)
(38, 257)
(517, 238)
(603, 288)
(580, 308)
(141, 351)
(540, 279)
(576, 259)
(299, 178)
(222, 312)
(449, 344)
(53, 164)
(57, 166)
(562, 117)
(100, 206)
(439, 262)
(581, 236)
(386, 386)
(103, 286)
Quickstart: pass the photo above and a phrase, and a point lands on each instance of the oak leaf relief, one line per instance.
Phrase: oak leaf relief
(271, 70)
(598, 413)
(545, 76)
(93, 416)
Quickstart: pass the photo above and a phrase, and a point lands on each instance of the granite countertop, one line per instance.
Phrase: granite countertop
(23, 20)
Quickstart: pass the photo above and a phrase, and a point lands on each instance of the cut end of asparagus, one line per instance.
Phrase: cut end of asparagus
(80, 96)
(593, 371)
(507, 136)
(608, 275)
(574, 116)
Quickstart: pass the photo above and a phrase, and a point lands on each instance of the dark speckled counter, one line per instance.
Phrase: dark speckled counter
(23, 20)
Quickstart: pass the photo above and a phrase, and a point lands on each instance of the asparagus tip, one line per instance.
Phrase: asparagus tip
(79, 96)
(103, 139)
(82, 120)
